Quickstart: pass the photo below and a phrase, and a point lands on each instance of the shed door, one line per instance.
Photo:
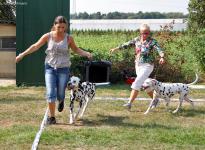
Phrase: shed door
(35, 18)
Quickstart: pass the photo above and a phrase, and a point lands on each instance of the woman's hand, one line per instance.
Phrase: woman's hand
(113, 50)
(19, 57)
(161, 61)
(89, 56)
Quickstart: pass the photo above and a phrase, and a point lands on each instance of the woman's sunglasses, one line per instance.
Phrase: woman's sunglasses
(144, 33)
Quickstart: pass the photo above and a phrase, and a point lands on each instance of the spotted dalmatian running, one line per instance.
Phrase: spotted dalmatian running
(167, 90)
(81, 92)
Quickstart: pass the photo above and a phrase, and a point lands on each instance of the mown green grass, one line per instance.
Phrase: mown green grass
(106, 124)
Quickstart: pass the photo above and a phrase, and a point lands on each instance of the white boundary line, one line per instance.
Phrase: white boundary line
(38, 135)
(142, 99)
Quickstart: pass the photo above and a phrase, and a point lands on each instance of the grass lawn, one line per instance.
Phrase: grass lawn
(106, 124)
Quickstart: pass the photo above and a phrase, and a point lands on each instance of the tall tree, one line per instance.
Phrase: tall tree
(121, 15)
(7, 10)
(196, 19)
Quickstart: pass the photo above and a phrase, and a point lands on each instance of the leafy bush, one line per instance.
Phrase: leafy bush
(196, 15)
(197, 47)
(182, 63)
(99, 43)
(184, 53)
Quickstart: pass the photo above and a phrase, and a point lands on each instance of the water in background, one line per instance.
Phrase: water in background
(126, 24)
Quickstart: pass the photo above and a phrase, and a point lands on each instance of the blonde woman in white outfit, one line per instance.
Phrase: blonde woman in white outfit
(145, 47)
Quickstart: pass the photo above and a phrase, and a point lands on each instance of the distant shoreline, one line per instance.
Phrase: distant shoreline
(127, 20)
(125, 24)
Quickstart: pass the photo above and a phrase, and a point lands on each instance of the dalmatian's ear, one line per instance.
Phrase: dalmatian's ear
(154, 82)
(80, 84)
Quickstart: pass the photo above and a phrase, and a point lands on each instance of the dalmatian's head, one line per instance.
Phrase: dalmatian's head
(73, 83)
(149, 84)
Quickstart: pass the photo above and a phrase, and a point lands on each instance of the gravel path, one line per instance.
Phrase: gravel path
(7, 82)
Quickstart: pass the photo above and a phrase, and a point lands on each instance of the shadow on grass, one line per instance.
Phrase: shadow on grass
(190, 112)
(119, 121)
(18, 99)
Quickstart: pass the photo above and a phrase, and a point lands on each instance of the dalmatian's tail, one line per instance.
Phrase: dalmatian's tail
(195, 81)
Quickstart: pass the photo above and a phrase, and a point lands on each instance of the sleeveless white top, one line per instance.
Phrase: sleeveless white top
(57, 53)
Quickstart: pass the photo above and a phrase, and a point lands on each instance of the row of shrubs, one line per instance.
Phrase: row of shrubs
(185, 53)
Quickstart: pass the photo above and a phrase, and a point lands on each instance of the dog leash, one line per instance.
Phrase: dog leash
(157, 69)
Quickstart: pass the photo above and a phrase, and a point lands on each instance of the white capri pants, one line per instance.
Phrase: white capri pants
(143, 71)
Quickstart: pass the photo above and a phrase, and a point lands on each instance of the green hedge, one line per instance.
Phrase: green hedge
(184, 53)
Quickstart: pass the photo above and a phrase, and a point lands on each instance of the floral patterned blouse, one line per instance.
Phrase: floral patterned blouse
(144, 51)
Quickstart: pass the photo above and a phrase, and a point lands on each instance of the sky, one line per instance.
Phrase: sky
(105, 6)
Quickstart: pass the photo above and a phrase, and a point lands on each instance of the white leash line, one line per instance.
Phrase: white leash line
(38, 135)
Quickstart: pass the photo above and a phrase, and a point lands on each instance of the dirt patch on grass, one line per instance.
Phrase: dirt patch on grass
(30, 91)
(6, 123)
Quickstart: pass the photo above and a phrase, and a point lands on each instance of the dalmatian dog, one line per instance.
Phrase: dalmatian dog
(81, 92)
(166, 91)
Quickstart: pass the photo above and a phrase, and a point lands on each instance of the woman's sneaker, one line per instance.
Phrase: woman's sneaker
(51, 120)
(128, 105)
(61, 105)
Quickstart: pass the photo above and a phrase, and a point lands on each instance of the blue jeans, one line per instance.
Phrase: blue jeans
(56, 82)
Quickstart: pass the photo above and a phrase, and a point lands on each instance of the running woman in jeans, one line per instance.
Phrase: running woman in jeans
(57, 62)
(145, 46)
